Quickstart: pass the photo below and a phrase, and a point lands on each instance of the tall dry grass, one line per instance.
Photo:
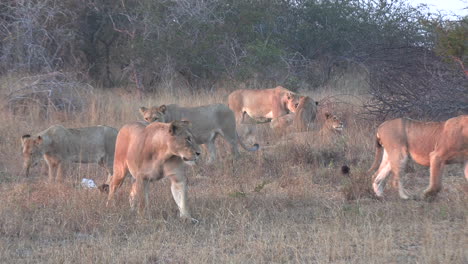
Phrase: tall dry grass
(287, 203)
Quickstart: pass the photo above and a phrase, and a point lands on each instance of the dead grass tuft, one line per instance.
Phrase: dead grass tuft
(356, 185)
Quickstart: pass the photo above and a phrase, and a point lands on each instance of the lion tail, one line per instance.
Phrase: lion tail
(254, 148)
(378, 155)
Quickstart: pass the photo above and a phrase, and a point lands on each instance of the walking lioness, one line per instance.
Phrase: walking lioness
(208, 122)
(58, 144)
(431, 144)
(151, 152)
(261, 104)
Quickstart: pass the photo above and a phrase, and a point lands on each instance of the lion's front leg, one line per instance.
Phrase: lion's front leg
(179, 193)
(53, 164)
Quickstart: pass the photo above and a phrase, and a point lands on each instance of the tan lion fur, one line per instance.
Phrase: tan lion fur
(261, 104)
(151, 152)
(299, 121)
(305, 120)
(332, 125)
(432, 144)
(58, 144)
(208, 122)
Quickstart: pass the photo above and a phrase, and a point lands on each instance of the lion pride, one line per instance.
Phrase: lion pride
(261, 104)
(58, 144)
(208, 122)
(151, 152)
(432, 144)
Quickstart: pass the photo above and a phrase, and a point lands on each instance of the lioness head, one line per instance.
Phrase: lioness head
(181, 142)
(153, 114)
(332, 122)
(32, 151)
(292, 101)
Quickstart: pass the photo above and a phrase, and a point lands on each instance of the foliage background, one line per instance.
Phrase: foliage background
(202, 44)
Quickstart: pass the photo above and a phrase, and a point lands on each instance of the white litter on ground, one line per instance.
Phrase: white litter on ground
(88, 183)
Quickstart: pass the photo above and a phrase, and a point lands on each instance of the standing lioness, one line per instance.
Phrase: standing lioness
(208, 122)
(300, 120)
(266, 103)
(58, 144)
(150, 153)
(431, 144)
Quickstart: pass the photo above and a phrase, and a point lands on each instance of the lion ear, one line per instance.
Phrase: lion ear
(327, 115)
(24, 137)
(143, 110)
(173, 128)
(162, 109)
(289, 94)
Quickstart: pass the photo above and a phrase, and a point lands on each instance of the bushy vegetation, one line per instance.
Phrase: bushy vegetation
(201, 44)
(277, 39)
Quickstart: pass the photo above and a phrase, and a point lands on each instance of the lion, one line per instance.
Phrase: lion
(432, 144)
(58, 144)
(151, 152)
(262, 104)
(301, 120)
(332, 124)
(208, 122)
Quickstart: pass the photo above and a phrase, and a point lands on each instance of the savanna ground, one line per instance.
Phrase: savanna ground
(287, 204)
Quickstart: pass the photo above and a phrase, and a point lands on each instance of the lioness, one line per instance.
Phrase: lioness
(266, 103)
(58, 144)
(305, 114)
(208, 122)
(431, 144)
(150, 152)
(332, 124)
(298, 123)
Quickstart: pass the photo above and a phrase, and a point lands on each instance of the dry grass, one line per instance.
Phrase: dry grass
(286, 204)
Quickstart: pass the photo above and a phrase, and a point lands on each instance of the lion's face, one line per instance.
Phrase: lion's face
(333, 122)
(153, 114)
(31, 151)
(181, 142)
(292, 101)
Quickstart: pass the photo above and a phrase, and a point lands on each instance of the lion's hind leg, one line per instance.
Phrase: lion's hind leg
(231, 138)
(117, 179)
(381, 175)
(139, 194)
(398, 165)
(211, 148)
(107, 164)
